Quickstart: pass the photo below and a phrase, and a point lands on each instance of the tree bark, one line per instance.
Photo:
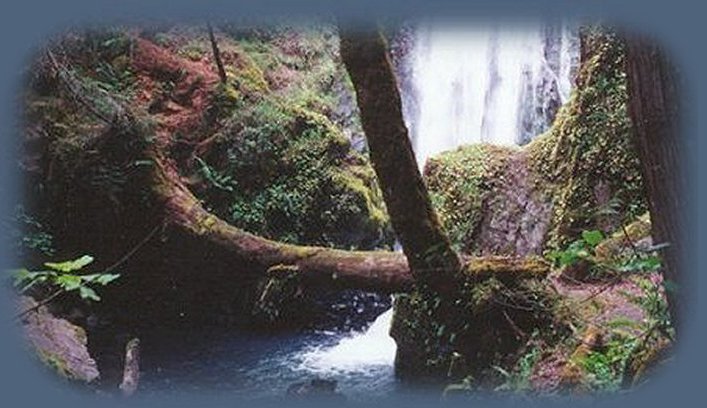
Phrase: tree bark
(217, 54)
(427, 248)
(653, 107)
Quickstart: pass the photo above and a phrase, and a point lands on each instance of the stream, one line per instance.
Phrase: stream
(255, 366)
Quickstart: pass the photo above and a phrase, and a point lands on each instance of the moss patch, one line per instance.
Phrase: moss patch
(289, 174)
(459, 183)
(586, 161)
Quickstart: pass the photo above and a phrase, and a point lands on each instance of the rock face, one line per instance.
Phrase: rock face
(58, 343)
(489, 201)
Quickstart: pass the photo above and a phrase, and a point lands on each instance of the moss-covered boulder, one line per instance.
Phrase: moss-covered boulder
(460, 184)
(59, 344)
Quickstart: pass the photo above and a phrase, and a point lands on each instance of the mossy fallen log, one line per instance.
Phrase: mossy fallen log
(380, 271)
(183, 215)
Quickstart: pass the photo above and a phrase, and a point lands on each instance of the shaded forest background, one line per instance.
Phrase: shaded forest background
(249, 176)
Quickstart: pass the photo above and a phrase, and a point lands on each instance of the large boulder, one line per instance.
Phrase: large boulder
(57, 343)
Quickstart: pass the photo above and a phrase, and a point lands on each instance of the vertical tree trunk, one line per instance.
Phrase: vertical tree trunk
(432, 260)
(217, 54)
(653, 107)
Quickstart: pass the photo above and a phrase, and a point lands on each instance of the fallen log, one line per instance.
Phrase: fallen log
(379, 271)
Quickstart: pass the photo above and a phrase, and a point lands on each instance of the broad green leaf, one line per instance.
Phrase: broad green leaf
(70, 266)
(593, 237)
(106, 278)
(88, 293)
(69, 282)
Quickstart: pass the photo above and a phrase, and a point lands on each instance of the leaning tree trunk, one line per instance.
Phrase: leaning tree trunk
(432, 260)
(653, 107)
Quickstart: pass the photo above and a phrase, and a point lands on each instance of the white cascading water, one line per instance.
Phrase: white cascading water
(489, 83)
(359, 352)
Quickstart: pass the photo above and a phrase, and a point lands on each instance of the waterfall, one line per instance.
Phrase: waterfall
(358, 352)
(488, 83)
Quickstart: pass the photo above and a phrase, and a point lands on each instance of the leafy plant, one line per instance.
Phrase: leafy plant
(519, 379)
(606, 367)
(65, 277)
(627, 261)
(581, 249)
(29, 234)
(216, 179)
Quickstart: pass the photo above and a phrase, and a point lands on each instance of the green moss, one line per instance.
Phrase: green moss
(194, 50)
(249, 78)
(56, 363)
(459, 182)
(589, 148)
(486, 325)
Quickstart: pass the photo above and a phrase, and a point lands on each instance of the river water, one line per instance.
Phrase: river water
(255, 366)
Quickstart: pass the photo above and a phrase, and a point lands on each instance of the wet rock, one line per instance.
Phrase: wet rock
(131, 371)
(58, 343)
(314, 388)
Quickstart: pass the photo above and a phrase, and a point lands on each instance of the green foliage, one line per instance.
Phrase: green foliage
(30, 236)
(605, 368)
(65, 278)
(215, 178)
(630, 341)
(626, 261)
(581, 249)
(289, 174)
(518, 380)
(654, 304)
(104, 56)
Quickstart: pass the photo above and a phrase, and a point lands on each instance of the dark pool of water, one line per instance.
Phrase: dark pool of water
(254, 366)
